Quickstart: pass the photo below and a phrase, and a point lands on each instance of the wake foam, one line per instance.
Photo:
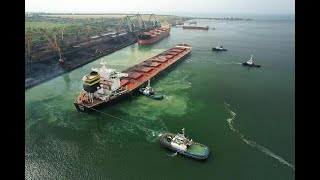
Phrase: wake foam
(172, 155)
(252, 143)
(267, 152)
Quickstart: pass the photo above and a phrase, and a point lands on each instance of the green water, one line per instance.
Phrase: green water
(244, 115)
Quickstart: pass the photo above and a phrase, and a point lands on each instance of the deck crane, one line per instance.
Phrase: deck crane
(54, 45)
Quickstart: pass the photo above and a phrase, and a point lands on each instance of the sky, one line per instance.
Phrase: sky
(174, 7)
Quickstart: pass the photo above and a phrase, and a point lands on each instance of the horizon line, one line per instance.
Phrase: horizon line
(160, 13)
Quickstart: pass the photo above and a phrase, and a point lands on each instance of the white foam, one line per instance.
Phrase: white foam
(252, 143)
(172, 155)
(189, 60)
(185, 77)
(168, 97)
(230, 120)
(267, 152)
(235, 62)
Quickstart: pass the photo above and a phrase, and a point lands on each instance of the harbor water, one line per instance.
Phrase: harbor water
(246, 116)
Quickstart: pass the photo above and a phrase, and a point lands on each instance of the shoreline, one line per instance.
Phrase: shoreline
(82, 58)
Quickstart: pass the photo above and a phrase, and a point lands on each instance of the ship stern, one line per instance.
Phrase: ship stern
(81, 108)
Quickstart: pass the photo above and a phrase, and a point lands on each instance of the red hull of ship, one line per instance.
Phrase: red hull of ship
(196, 27)
(155, 38)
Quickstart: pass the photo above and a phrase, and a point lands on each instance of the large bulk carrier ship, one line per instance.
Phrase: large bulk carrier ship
(105, 86)
(153, 36)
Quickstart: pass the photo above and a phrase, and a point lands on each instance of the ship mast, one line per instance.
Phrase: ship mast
(251, 60)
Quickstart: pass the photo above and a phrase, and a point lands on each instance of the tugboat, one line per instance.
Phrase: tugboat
(219, 48)
(251, 63)
(149, 92)
(181, 144)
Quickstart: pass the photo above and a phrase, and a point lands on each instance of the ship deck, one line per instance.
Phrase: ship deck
(197, 149)
(145, 76)
(142, 72)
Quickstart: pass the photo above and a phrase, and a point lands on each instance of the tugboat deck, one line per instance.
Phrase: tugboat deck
(197, 149)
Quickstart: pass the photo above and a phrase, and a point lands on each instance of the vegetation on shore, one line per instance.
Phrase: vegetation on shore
(82, 25)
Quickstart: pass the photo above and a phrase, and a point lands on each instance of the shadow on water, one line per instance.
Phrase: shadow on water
(145, 47)
(66, 78)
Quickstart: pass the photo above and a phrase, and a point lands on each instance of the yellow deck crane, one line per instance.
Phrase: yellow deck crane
(54, 45)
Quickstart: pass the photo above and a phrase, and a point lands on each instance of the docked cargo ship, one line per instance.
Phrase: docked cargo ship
(196, 27)
(104, 86)
(153, 36)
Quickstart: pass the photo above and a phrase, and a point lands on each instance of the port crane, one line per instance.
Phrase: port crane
(155, 22)
(141, 22)
(127, 24)
(131, 27)
(53, 43)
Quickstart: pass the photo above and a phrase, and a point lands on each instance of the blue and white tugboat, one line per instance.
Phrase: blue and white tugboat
(251, 63)
(180, 144)
(219, 48)
(149, 92)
